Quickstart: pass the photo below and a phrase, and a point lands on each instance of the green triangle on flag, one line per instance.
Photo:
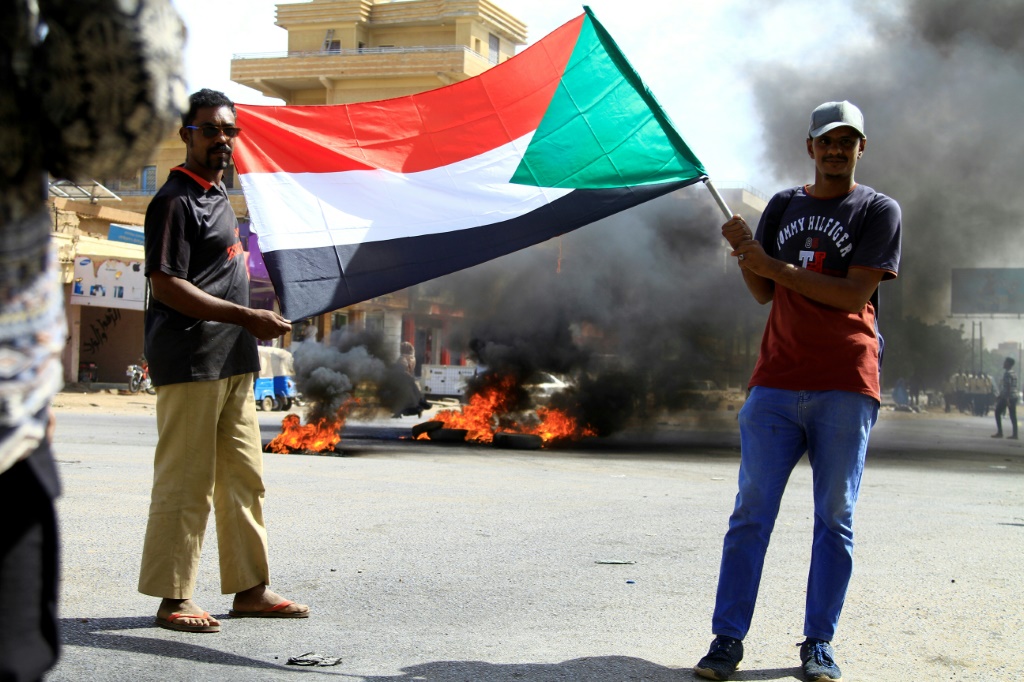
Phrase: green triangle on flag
(603, 127)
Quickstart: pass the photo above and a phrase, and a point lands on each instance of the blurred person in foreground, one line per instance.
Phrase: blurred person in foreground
(201, 343)
(87, 88)
(818, 256)
(1007, 399)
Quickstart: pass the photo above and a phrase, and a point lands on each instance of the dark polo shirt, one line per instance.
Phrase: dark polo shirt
(191, 233)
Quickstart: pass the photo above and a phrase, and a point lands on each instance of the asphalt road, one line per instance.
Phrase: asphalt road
(448, 563)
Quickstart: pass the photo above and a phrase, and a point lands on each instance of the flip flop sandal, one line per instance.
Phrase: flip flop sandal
(273, 612)
(170, 623)
(314, 659)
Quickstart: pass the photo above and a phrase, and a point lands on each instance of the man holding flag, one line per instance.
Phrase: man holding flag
(819, 254)
(201, 345)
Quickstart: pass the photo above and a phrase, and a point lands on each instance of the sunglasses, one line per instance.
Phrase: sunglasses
(210, 130)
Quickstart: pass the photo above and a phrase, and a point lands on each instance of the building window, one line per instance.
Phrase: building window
(149, 178)
(339, 321)
(477, 46)
(494, 48)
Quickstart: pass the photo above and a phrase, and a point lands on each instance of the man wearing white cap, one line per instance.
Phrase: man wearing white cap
(818, 256)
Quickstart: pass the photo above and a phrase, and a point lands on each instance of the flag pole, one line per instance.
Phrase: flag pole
(718, 198)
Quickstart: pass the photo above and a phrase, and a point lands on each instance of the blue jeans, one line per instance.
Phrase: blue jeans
(776, 428)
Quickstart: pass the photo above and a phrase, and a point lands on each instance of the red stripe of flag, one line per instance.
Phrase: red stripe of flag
(414, 133)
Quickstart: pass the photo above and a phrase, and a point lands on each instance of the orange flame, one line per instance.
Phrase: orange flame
(478, 416)
(318, 436)
(489, 410)
(558, 425)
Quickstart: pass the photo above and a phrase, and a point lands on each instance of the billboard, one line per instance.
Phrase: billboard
(108, 282)
(988, 291)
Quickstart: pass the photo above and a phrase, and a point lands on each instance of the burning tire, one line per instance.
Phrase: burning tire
(426, 427)
(448, 435)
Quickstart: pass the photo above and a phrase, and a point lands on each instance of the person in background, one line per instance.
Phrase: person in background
(201, 343)
(407, 358)
(960, 382)
(87, 88)
(900, 395)
(818, 256)
(1007, 399)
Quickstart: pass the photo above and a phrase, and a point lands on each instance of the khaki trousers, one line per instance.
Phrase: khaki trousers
(208, 451)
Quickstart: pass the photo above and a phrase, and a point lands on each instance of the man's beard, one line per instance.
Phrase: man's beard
(216, 161)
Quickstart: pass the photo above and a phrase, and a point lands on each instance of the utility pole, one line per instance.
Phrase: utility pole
(973, 324)
(976, 369)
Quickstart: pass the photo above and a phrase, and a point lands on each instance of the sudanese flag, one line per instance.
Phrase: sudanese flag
(355, 201)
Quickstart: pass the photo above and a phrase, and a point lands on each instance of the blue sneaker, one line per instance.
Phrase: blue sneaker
(819, 661)
(723, 658)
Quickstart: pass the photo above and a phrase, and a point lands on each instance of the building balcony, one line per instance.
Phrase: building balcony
(374, 14)
(283, 74)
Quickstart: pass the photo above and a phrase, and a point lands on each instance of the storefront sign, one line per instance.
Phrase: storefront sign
(108, 282)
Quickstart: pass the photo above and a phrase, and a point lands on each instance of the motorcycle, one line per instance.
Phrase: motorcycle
(138, 379)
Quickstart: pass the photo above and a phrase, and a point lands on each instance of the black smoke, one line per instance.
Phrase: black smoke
(355, 364)
(634, 309)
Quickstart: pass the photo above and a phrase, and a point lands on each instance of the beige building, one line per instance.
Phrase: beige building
(343, 51)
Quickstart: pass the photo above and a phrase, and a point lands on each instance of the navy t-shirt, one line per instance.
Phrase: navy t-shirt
(192, 233)
(810, 346)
